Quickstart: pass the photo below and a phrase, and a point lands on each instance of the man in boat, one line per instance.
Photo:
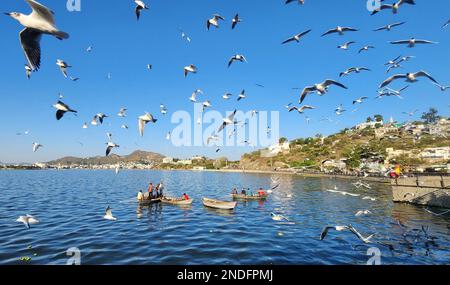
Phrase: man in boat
(140, 196)
(261, 192)
(234, 192)
(185, 196)
(244, 192)
(150, 191)
(161, 187)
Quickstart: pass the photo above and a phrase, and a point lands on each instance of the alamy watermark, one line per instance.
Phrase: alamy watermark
(73, 5)
(74, 255)
(375, 256)
(251, 128)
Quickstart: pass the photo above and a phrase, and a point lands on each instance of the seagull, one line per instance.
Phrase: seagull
(353, 69)
(296, 37)
(28, 71)
(339, 110)
(410, 77)
(62, 66)
(443, 88)
(36, 146)
(206, 104)
(168, 136)
(27, 220)
(369, 198)
(189, 69)
(320, 88)
(214, 21)
(62, 109)
(99, 117)
(184, 36)
(74, 79)
(365, 48)
(241, 96)
(39, 22)
(394, 7)
(194, 95)
(412, 42)
(124, 127)
(389, 27)
(89, 49)
(227, 121)
(110, 146)
(109, 135)
(237, 57)
(85, 126)
(345, 46)
(227, 96)
(302, 109)
(212, 138)
(345, 228)
(362, 213)
(393, 61)
(143, 120)
(300, 2)
(446, 24)
(235, 21)
(108, 215)
(360, 100)
(340, 31)
(411, 114)
(122, 112)
(163, 109)
(149, 66)
(139, 6)
(276, 217)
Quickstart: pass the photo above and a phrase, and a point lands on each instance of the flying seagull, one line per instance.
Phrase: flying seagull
(296, 37)
(122, 112)
(139, 6)
(443, 88)
(100, 117)
(353, 69)
(410, 77)
(241, 96)
(320, 88)
(62, 109)
(62, 66)
(365, 48)
(36, 146)
(363, 213)
(214, 21)
(163, 109)
(227, 96)
(346, 46)
(237, 57)
(389, 27)
(143, 120)
(39, 22)
(189, 69)
(340, 30)
(194, 95)
(28, 71)
(227, 121)
(412, 42)
(235, 21)
(300, 2)
(394, 7)
(349, 228)
(27, 220)
(360, 100)
(110, 146)
(446, 24)
(108, 215)
(302, 109)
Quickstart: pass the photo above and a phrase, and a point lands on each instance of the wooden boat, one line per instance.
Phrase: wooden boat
(249, 197)
(216, 204)
(177, 201)
(146, 202)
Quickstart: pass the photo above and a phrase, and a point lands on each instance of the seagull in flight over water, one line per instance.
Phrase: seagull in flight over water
(27, 220)
(39, 22)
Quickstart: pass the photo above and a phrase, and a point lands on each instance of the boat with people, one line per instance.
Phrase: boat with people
(147, 202)
(246, 197)
(177, 201)
(217, 204)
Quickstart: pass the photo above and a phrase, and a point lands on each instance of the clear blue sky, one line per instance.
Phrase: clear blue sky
(123, 47)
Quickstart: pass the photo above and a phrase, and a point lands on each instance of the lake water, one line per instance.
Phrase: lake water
(70, 205)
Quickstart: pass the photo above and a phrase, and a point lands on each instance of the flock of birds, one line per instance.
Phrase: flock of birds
(41, 22)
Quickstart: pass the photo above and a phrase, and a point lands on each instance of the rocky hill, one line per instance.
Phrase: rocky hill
(135, 157)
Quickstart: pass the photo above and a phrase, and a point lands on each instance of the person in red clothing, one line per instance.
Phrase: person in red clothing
(261, 192)
(185, 196)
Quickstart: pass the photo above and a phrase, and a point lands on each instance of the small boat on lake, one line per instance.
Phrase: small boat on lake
(147, 202)
(249, 197)
(217, 204)
(177, 201)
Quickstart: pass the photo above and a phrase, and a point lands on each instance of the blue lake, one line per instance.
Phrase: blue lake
(70, 206)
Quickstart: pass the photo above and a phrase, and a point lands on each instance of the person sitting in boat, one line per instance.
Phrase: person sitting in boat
(234, 192)
(150, 191)
(261, 192)
(140, 196)
(186, 197)
(161, 187)
(156, 196)
(244, 192)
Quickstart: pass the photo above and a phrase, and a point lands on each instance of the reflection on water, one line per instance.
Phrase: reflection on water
(71, 204)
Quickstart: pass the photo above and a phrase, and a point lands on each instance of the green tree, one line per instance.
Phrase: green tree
(431, 116)
(378, 118)
(283, 140)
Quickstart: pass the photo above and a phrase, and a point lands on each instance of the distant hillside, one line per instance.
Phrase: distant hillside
(135, 157)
